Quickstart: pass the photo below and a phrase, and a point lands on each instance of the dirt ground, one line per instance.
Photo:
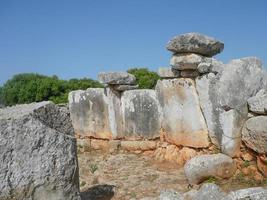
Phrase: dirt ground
(135, 176)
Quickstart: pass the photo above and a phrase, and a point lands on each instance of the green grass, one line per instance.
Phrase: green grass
(93, 168)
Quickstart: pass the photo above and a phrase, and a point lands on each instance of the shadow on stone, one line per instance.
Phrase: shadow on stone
(99, 192)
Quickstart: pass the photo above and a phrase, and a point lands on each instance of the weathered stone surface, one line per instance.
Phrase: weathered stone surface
(240, 80)
(195, 43)
(37, 153)
(117, 78)
(256, 193)
(258, 104)
(89, 112)
(186, 61)
(228, 89)
(113, 99)
(189, 73)
(183, 122)
(166, 72)
(232, 122)
(122, 88)
(141, 113)
(204, 67)
(210, 65)
(254, 134)
(202, 167)
(209, 191)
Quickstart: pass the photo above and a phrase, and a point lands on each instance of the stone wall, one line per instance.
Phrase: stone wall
(199, 101)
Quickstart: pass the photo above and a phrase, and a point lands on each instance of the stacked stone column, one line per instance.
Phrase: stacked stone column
(191, 57)
(116, 83)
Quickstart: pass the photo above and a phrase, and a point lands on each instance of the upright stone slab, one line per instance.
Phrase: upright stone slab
(89, 112)
(38, 158)
(183, 122)
(113, 99)
(141, 114)
(232, 122)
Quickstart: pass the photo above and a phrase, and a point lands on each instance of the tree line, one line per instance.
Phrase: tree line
(30, 87)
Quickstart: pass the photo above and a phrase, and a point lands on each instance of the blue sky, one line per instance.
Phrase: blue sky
(74, 39)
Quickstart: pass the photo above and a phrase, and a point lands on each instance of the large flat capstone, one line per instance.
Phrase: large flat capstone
(195, 43)
(38, 158)
(183, 122)
(116, 78)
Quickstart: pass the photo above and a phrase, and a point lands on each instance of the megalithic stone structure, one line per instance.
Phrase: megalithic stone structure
(199, 100)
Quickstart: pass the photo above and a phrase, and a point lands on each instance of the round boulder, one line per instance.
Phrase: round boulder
(202, 167)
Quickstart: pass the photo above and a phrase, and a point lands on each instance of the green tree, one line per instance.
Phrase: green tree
(146, 79)
(27, 88)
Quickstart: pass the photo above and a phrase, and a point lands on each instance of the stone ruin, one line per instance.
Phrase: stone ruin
(202, 114)
(199, 102)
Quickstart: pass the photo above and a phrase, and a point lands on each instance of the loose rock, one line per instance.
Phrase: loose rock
(256, 193)
(254, 134)
(202, 167)
(258, 104)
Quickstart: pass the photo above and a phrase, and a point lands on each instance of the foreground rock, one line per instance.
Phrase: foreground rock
(38, 158)
(195, 43)
(258, 104)
(202, 167)
(183, 122)
(254, 134)
(116, 78)
(256, 193)
(210, 191)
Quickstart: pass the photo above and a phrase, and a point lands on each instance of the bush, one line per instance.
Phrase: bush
(146, 79)
(27, 88)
